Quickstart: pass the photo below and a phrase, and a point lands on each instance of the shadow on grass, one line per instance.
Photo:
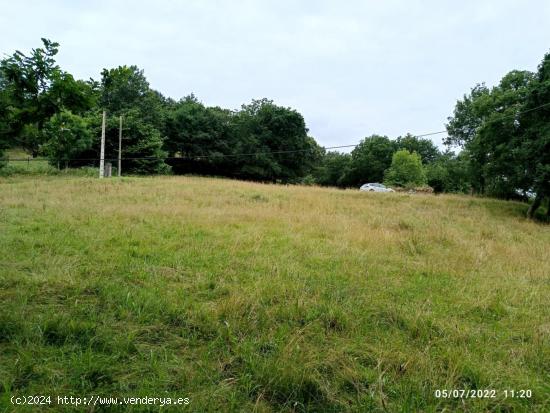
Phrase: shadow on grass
(513, 209)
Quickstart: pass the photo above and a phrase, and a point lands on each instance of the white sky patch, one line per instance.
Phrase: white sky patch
(351, 68)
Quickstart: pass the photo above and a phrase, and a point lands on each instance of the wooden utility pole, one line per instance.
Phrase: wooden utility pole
(102, 153)
(119, 169)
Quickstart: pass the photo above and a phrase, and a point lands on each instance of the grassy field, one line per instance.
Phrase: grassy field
(17, 162)
(250, 297)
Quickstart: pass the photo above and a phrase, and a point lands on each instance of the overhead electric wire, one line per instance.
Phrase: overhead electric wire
(196, 157)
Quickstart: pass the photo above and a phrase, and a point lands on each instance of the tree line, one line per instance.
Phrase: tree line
(45, 111)
(407, 161)
(503, 133)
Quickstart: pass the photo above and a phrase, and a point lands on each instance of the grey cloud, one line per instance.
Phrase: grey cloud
(352, 68)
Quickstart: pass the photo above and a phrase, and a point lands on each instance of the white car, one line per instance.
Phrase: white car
(374, 187)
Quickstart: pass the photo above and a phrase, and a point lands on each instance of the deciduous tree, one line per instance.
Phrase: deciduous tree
(406, 170)
(370, 159)
(66, 135)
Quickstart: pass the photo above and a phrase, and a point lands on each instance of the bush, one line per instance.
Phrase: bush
(66, 135)
(406, 170)
(41, 168)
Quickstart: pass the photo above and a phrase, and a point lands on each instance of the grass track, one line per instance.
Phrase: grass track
(251, 297)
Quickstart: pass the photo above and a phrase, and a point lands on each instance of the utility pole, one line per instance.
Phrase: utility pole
(119, 169)
(102, 153)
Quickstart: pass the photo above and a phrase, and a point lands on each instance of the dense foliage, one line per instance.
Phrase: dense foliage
(503, 133)
(46, 112)
(33, 89)
(405, 170)
(66, 135)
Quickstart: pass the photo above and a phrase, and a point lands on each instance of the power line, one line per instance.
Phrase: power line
(429, 134)
(221, 155)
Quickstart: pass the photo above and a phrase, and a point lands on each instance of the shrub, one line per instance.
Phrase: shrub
(406, 170)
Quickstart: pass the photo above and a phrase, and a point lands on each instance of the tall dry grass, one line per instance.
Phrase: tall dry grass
(253, 297)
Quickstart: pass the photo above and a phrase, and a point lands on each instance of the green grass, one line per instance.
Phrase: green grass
(17, 162)
(251, 297)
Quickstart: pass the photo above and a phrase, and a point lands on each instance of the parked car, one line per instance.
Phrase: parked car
(375, 187)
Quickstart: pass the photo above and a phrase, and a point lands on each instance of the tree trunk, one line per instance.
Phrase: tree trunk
(482, 185)
(535, 205)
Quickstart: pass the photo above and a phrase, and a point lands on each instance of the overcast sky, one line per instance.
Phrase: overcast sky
(352, 68)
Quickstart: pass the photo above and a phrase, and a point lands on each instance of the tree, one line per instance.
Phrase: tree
(449, 173)
(406, 169)
(26, 79)
(66, 136)
(142, 143)
(333, 169)
(486, 124)
(424, 147)
(37, 89)
(199, 136)
(123, 88)
(66, 93)
(271, 143)
(534, 147)
(505, 133)
(6, 110)
(370, 159)
(463, 126)
(124, 91)
(195, 130)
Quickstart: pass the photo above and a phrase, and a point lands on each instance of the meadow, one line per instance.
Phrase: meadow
(269, 298)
